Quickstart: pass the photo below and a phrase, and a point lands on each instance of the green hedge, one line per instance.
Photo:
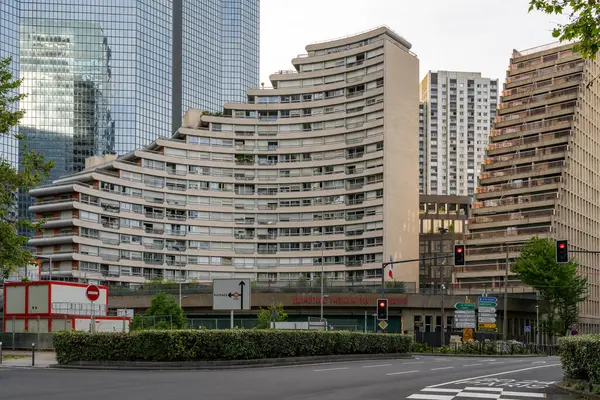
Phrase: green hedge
(580, 357)
(196, 345)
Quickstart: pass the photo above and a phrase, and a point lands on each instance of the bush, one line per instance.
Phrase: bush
(579, 357)
(197, 345)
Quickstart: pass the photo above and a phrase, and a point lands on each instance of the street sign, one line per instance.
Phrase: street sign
(486, 320)
(464, 325)
(383, 325)
(467, 335)
(464, 312)
(487, 299)
(487, 326)
(92, 292)
(527, 328)
(464, 306)
(488, 310)
(231, 294)
(487, 304)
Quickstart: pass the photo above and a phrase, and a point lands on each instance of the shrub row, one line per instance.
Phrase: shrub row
(580, 357)
(195, 345)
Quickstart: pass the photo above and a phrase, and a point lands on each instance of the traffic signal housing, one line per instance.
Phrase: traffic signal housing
(562, 251)
(459, 254)
(382, 309)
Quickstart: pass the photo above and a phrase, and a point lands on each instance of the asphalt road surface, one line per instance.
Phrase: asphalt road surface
(424, 378)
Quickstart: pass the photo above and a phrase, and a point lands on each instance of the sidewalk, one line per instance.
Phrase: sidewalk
(43, 359)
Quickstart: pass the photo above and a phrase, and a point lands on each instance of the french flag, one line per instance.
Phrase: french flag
(391, 273)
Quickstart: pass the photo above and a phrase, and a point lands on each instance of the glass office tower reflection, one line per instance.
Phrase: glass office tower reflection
(107, 76)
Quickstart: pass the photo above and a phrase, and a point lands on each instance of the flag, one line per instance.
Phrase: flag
(391, 273)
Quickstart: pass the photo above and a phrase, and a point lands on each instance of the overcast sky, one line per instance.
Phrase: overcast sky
(464, 35)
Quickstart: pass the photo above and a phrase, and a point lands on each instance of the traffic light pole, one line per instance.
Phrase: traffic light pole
(384, 265)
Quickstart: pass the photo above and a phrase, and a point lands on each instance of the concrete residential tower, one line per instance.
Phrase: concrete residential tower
(540, 174)
(318, 172)
(455, 117)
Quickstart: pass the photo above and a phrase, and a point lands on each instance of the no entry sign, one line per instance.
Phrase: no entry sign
(92, 292)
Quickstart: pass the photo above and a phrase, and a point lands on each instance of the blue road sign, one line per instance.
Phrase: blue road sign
(527, 328)
(487, 299)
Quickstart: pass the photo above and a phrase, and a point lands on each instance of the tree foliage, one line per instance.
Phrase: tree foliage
(33, 169)
(164, 313)
(583, 26)
(266, 315)
(560, 287)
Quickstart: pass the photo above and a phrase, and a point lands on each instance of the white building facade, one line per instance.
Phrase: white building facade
(319, 171)
(455, 117)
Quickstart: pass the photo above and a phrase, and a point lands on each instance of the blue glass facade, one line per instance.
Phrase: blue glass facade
(112, 75)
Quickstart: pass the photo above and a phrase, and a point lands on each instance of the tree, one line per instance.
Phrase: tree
(583, 26)
(560, 288)
(266, 315)
(164, 313)
(33, 170)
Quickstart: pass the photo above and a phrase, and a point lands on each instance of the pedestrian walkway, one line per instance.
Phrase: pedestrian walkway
(43, 359)
(475, 392)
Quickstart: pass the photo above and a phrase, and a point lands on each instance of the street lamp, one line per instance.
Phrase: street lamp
(51, 267)
(322, 274)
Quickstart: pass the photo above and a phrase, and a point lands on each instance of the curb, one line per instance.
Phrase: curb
(230, 364)
(585, 395)
(481, 355)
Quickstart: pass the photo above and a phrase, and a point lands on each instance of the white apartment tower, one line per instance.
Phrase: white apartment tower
(455, 118)
(318, 172)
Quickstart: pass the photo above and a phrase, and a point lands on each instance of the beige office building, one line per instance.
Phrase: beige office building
(541, 171)
(320, 169)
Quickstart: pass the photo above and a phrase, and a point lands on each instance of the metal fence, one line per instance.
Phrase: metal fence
(24, 341)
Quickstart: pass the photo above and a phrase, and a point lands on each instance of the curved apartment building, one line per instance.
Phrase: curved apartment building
(540, 174)
(319, 171)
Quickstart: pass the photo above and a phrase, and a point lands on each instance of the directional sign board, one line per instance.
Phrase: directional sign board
(231, 294)
(527, 328)
(383, 325)
(464, 306)
(487, 310)
(486, 320)
(487, 304)
(487, 299)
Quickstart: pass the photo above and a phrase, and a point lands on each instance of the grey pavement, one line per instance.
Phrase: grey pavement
(424, 378)
(43, 359)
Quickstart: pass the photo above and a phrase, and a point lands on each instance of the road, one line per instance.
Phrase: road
(424, 378)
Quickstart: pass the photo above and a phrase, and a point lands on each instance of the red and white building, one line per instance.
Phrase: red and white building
(47, 306)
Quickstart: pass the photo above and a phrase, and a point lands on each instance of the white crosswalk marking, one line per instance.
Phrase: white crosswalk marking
(474, 392)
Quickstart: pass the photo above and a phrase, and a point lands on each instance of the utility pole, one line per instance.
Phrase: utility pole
(537, 320)
(322, 277)
(505, 319)
(442, 290)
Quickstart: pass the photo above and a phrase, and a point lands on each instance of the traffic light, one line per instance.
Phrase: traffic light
(382, 309)
(562, 251)
(459, 254)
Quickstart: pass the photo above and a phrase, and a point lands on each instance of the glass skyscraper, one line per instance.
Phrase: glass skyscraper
(109, 76)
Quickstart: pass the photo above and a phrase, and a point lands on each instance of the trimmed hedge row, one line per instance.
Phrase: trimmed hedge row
(195, 345)
(580, 357)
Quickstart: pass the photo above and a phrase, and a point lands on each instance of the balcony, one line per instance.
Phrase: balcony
(538, 99)
(529, 140)
(508, 233)
(176, 232)
(567, 67)
(531, 199)
(154, 215)
(526, 154)
(518, 216)
(239, 235)
(156, 231)
(531, 126)
(520, 170)
(518, 185)
(523, 115)
(52, 205)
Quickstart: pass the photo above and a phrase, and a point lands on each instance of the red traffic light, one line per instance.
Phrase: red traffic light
(561, 245)
(382, 304)
(459, 249)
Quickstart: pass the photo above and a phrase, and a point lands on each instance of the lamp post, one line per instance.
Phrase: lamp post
(322, 275)
(51, 267)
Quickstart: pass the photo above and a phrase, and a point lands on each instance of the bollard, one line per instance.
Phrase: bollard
(33, 354)
(0, 352)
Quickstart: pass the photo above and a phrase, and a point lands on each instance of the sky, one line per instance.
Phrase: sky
(455, 35)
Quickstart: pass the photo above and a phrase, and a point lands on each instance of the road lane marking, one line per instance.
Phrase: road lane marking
(525, 394)
(403, 372)
(483, 389)
(437, 369)
(376, 366)
(430, 397)
(496, 374)
(539, 362)
(329, 369)
(497, 362)
(416, 362)
(471, 365)
(439, 390)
